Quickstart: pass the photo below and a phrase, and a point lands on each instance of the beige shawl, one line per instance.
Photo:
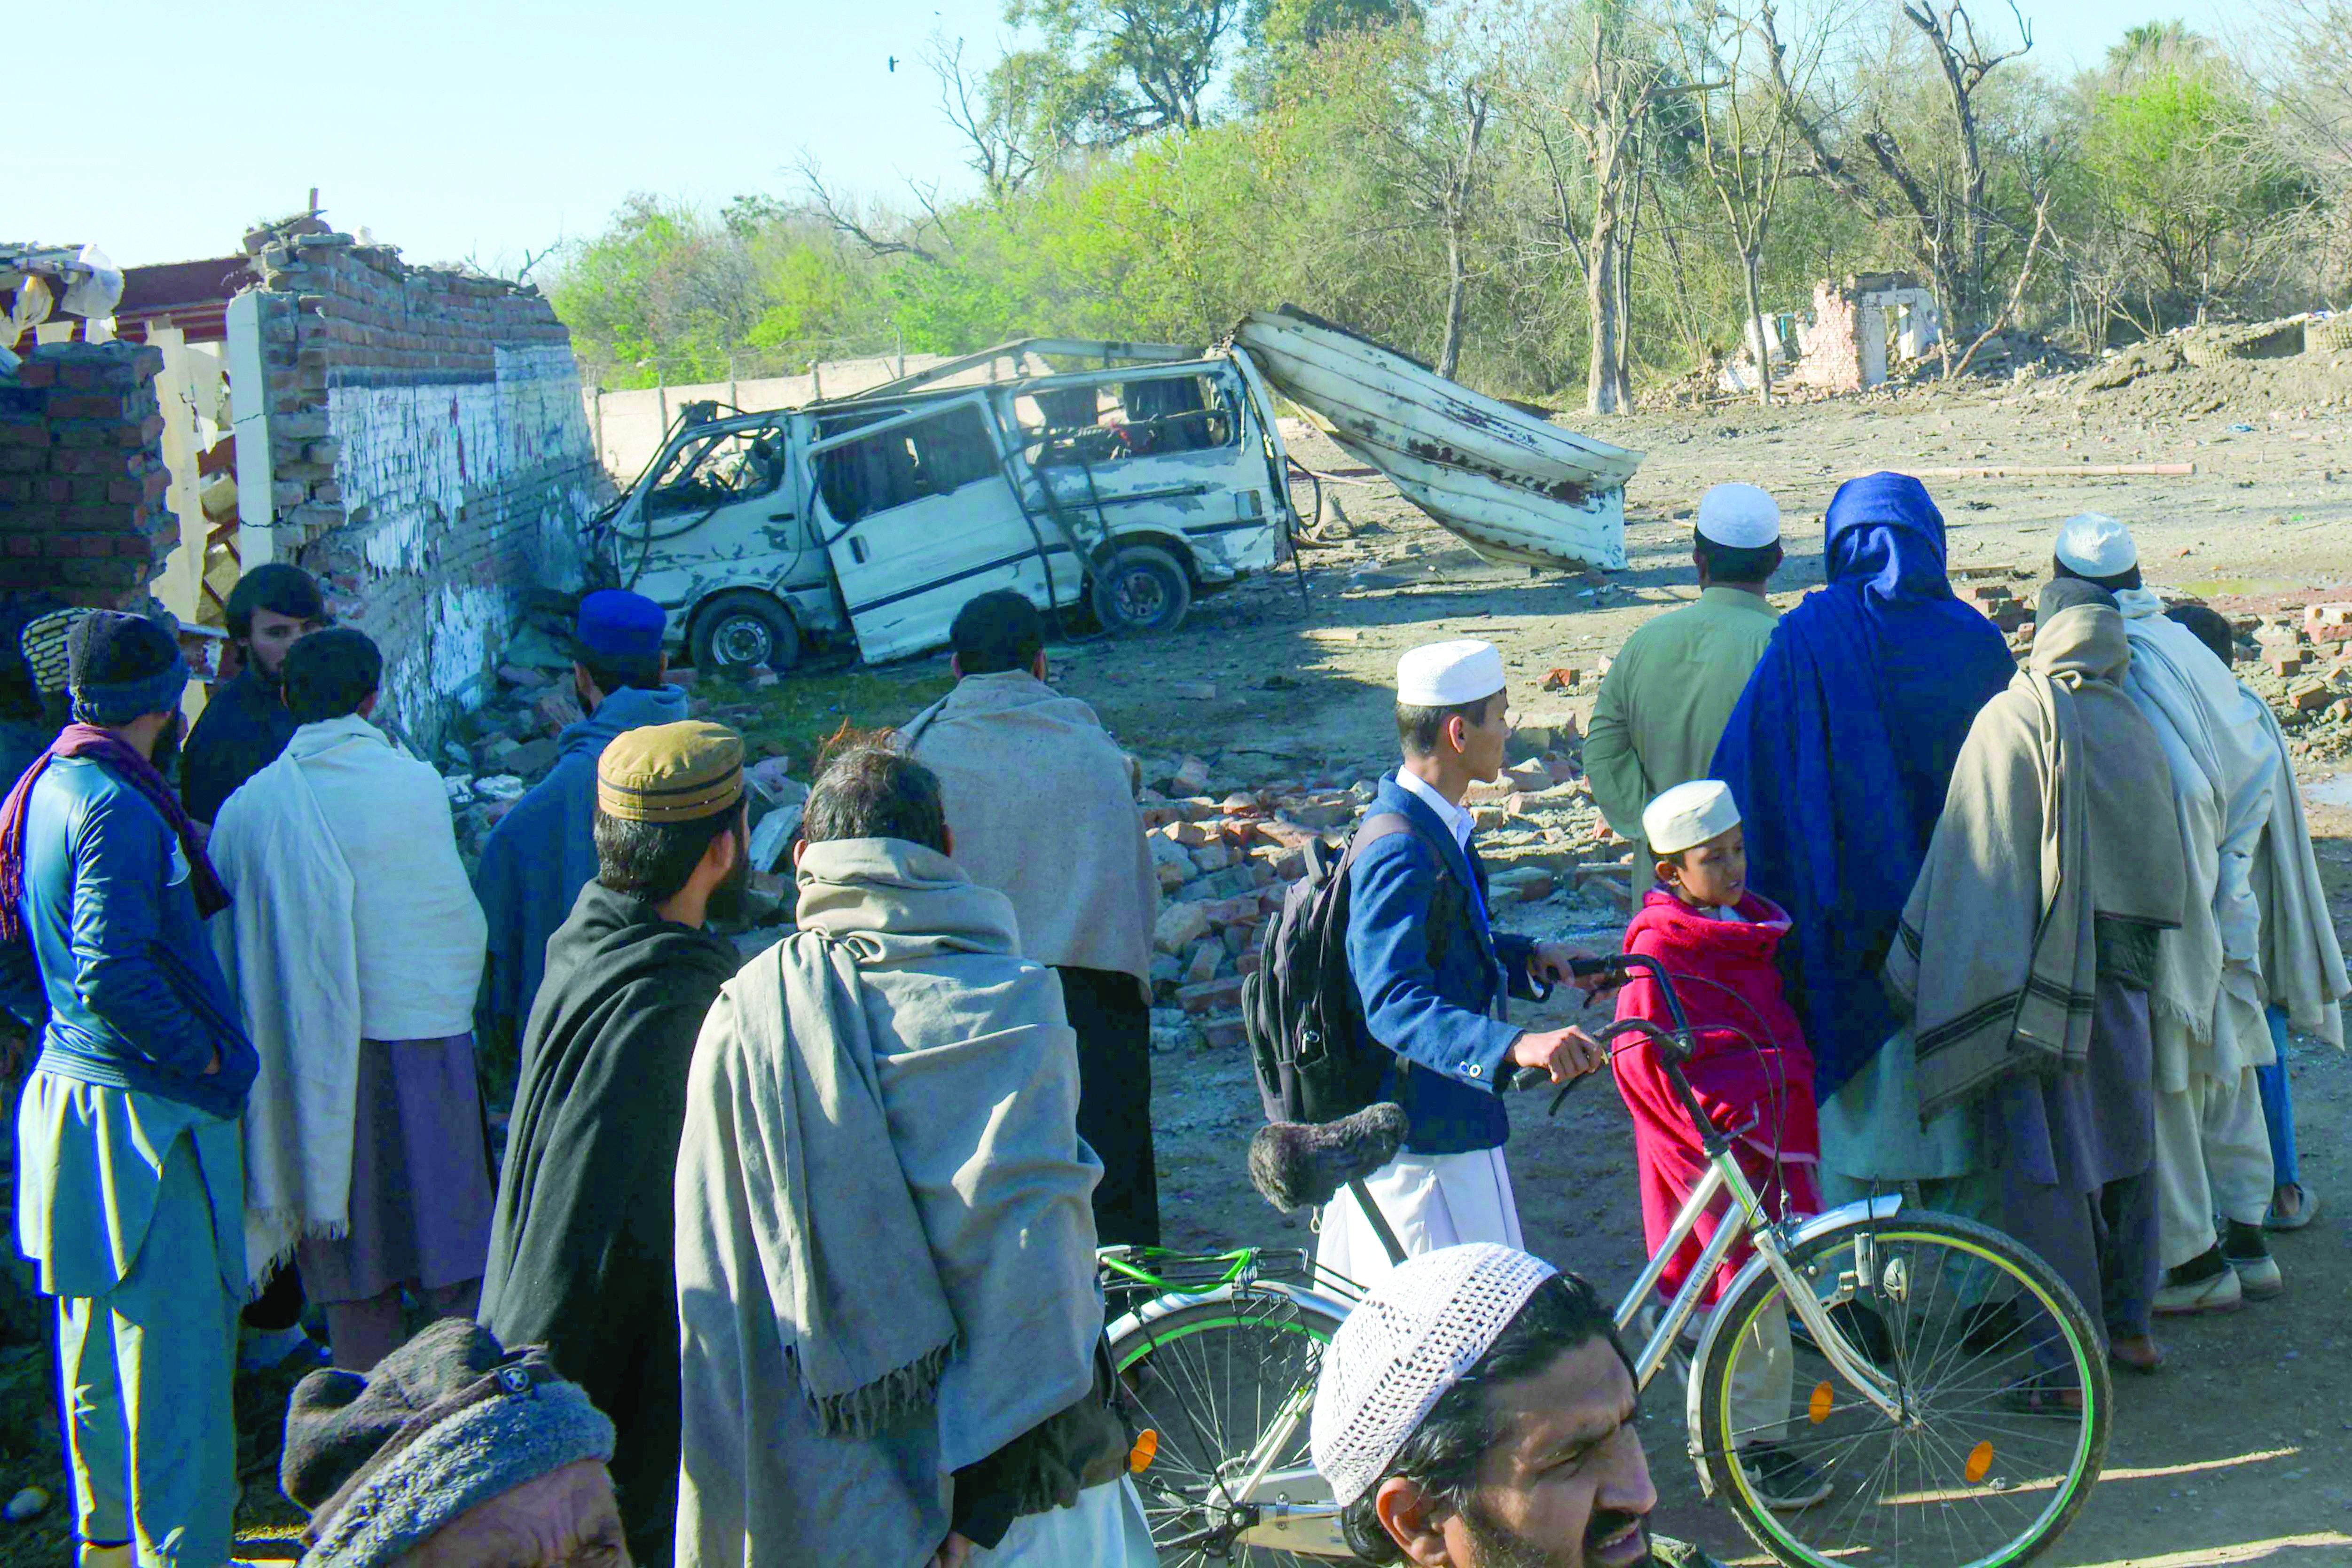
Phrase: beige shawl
(1043, 808)
(2043, 832)
(885, 1246)
(2303, 964)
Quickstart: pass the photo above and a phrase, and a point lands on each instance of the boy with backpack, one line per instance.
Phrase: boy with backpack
(1750, 1070)
(1425, 1025)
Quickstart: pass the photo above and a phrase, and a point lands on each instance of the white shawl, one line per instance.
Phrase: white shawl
(352, 919)
(2209, 980)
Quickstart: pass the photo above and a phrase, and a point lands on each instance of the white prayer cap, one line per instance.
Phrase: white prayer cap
(2096, 547)
(1405, 1344)
(1446, 674)
(1741, 517)
(1688, 815)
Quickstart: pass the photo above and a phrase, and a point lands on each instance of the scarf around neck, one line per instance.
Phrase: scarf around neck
(124, 761)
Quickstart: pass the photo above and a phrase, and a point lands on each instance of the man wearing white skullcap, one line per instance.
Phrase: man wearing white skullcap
(2212, 1150)
(1431, 975)
(1673, 686)
(2098, 549)
(1446, 1401)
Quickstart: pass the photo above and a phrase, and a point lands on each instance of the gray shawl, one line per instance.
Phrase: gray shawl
(1041, 805)
(884, 1249)
(2043, 831)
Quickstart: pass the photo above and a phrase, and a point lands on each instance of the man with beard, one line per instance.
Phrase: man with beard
(581, 1250)
(246, 725)
(128, 1180)
(355, 948)
(1476, 1411)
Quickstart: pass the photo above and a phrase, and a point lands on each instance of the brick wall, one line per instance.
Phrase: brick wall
(430, 458)
(1830, 349)
(81, 474)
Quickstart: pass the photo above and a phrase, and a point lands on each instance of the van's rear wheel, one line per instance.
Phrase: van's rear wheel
(741, 628)
(1143, 590)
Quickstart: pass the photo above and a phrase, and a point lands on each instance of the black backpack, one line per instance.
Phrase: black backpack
(1299, 1012)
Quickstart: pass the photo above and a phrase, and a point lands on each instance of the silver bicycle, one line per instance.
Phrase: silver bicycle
(1941, 1379)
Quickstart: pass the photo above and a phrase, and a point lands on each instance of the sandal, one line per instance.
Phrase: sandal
(2039, 1395)
(2145, 1358)
(2305, 1212)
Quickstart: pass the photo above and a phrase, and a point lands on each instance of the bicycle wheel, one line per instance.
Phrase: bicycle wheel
(1995, 1361)
(1208, 1381)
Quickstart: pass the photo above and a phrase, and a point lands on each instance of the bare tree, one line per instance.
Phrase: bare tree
(862, 222)
(1001, 153)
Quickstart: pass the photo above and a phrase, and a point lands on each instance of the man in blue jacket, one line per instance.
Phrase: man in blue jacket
(1431, 975)
(543, 852)
(130, 1187)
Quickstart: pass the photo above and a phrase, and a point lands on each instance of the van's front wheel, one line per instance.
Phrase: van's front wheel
(1143, 590)
(741, 628)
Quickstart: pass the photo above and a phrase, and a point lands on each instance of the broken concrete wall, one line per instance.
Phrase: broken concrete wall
(81, 475)
(629, 424)
(429, 455)
(1829, 350)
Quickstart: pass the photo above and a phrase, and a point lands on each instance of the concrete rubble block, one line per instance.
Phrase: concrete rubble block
(1283, 834)
(1230, 883)
(2310, 694)
(558, 707)
(1191, 777)
(522, 676)
(535, 757)
(1178, 927)
(2283, 658)
(2328, 623)
(1172, 877)
(1158, 814)
(1218, 995)
(1238, 803)
(1224, 1033)
(2341, 709)
(1202, 960)
(1167, 972)
(1236, 938)
(1193, 834)
(1212, 855)
(1242, 909)
(1485, 818)
(1166, 851)
(1529, 885)
(1192, 690)
(1319, 816)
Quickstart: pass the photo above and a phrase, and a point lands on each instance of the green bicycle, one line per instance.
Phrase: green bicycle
(1946, 1384)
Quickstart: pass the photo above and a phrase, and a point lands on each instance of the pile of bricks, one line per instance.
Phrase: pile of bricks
(1224, 860)
(81, 474)
(2312, 656)
(1999, 603)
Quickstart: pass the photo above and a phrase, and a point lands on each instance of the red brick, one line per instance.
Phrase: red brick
(34, 374)
(78, 377)
(96, 405)
(24, 433)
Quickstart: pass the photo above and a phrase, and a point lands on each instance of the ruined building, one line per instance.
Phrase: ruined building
(413, 436)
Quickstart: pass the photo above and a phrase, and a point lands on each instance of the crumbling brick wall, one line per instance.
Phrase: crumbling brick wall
(1831, 356)
(81, 475)
(430, 457)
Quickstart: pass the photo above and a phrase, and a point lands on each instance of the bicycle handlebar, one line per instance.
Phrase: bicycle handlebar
(1673, 1047)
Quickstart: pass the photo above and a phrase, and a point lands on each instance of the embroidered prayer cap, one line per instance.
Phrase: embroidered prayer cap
(1404, 1346)
(615, 624)
(43, 641)
(1688, 815)
(671, 772)
(1738, 517)
(1448, 674)
(122, 667)
(2096, 547)
(452, 1419)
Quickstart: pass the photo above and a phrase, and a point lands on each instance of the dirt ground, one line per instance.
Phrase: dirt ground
(2241, 1450)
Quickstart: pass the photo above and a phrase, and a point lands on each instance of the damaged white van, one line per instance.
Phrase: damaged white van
(1118, 478)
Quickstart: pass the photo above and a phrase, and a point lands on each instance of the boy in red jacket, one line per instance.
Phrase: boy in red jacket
(1750, 1071)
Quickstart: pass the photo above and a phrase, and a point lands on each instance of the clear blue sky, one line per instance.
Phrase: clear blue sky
(454, 128)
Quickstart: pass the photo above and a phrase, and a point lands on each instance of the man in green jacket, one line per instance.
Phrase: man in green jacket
(1669, 693)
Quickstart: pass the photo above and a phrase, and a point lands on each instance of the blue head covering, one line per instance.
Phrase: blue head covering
(1842, 748)
(618, 625)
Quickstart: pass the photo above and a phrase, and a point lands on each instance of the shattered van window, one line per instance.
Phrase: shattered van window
(711, 472)
(1112, 420)
(905, 464)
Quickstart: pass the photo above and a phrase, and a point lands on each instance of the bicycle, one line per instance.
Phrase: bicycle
(1947, 1382)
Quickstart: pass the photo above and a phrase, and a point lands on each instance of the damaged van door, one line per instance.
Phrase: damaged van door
(918, 517)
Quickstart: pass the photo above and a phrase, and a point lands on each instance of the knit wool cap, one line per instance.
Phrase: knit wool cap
(448, 1421)
(1411, 1340)
(120, 667)
(43, 641)
(2096, 547)
(671, 772)
(1738, 517)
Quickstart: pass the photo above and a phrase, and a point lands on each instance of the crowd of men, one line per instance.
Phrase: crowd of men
(793, 1259)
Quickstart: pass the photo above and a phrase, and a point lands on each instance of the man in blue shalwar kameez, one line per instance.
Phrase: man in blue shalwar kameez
(542, 852)
(128, 1190)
